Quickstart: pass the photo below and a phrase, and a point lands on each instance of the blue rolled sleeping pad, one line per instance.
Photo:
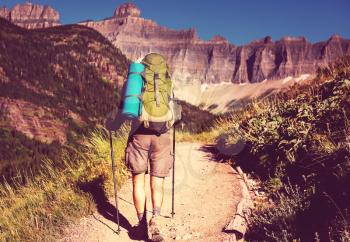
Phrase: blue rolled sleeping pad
(132, 105)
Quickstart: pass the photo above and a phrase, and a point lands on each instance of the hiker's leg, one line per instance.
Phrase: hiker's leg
(160, 165)
(161, 161)
(136, 157)
(139, 194)
(157, 193)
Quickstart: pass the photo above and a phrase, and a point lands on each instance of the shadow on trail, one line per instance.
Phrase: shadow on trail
(107, 210)
(213, 154)
(235, 155)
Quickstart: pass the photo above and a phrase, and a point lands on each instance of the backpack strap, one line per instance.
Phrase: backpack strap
(134, 95)
(156, 88)
(167, 74)
(146, 124)
(140, 73)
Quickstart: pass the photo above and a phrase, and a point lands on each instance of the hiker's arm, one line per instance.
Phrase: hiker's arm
(115, 119)
(177, 110)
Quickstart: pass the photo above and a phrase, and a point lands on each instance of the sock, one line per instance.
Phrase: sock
(140, 216)
(156, 211)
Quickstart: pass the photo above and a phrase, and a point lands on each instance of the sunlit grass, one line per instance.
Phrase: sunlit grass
(39, 209)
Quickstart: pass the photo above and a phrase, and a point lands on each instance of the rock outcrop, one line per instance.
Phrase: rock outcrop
(31, 16)
(5, 13)
(196, 61)
(127, 9)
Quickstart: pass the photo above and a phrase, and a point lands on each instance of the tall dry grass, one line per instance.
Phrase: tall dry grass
(38, 209)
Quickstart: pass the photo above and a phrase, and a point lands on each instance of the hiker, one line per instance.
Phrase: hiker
(149, 152)
(149, 101)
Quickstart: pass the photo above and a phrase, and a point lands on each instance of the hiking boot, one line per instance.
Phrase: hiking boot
(154, 232)
(139, 231)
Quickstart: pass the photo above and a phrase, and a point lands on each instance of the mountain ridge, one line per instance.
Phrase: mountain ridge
(196, 61)
(31, 16)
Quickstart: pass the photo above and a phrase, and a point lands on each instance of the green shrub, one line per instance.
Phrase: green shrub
(301, 137)
(281, 221)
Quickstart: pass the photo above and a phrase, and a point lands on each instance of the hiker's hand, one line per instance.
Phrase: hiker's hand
(177, 122)
(114, 120)
(113, 114)
(109, 124)
(110, 119)
(177, 112)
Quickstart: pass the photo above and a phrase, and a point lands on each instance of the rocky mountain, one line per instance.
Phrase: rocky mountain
(55, 84)
(197, 61)
(193, 60)
(31, 16)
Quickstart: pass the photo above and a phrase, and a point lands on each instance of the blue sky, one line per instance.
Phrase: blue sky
(240, 21)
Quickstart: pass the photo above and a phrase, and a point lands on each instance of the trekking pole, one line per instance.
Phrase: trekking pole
(173, 185)
(114, 180)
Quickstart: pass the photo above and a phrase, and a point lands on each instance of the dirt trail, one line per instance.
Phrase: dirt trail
(206, 195)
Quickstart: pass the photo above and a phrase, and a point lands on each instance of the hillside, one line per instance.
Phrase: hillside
(195, 119)
(55, 83)
(298, 147)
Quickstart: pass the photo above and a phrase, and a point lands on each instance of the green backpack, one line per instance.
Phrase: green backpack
(158, 106)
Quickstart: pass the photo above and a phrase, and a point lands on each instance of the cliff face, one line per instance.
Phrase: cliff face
(196, 61)
(31, 16)
(5, 13)
(192, 60)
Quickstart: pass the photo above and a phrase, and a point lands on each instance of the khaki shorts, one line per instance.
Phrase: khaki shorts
(145, 150)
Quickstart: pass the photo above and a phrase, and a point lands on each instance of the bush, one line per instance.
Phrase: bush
(282, 220)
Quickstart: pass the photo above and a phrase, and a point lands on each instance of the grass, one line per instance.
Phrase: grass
(38, 208)
(282, 221)
(205, 137)
(299, 138)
